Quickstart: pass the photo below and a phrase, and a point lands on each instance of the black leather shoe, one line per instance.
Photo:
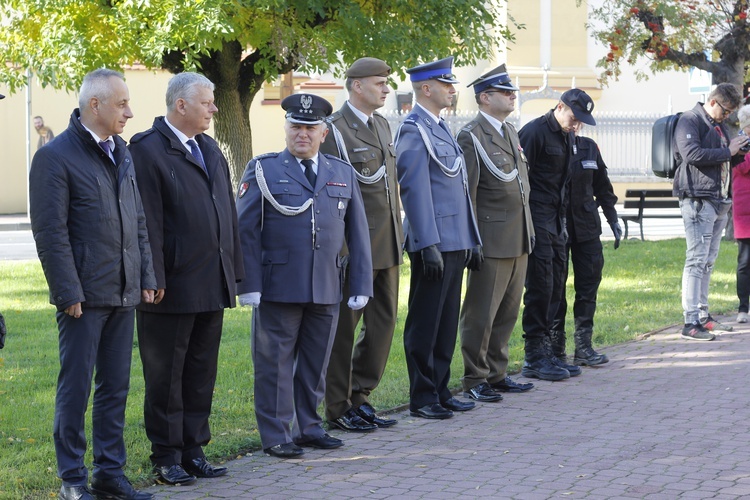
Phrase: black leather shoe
(324, 442)
(200, 467)
(454, 404)
(117, 488)
(75, 493)
(286, 450)
(173, 475)
(484, 393)
(510, 385)
(367, 412)
(432, 411)
(352, 422)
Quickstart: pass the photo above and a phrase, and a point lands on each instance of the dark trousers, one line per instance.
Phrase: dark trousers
(352, 376)
(101, 339)
(544, 283)
(291, 344)
(431, 328)
(588, 262)
(743, 274)
(180, 353)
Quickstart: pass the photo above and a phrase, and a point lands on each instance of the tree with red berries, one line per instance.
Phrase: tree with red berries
(712, 35)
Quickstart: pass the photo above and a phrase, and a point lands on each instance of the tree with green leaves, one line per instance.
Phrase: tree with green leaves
(238, 44)
(712, 35)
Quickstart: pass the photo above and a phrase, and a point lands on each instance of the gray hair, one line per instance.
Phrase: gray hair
(184, 86)
(96, 84)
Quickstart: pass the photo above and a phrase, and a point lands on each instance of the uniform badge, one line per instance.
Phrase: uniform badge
(365, 171)
(243, 189)
(341, 205)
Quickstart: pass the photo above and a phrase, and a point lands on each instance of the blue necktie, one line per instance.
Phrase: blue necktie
(196, 152)
(105, 147)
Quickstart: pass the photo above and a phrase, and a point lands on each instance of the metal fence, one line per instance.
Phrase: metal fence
(623, 138)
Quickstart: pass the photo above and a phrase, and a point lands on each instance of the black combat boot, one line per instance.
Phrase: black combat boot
(538, 364)
(557, 343)
(585, 354)
(560, 362)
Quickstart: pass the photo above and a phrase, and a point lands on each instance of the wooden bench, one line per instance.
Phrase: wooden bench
(649, 199)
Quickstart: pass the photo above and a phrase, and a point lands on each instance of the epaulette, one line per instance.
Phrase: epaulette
(265, 155)
(469, 126)
(510, 126)
(140, 135)
(334, 158)
(334, 116)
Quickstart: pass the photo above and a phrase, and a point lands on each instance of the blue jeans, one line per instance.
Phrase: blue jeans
(704, 225)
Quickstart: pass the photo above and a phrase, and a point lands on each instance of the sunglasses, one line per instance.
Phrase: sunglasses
(726, 111)
(506, 93)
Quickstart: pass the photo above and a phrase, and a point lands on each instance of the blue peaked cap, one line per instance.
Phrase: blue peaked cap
(441, 70)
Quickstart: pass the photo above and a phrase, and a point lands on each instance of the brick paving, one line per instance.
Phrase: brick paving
(665, 418)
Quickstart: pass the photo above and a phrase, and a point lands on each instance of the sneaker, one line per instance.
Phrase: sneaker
(696, 331)
(742, 317)
(712, 325)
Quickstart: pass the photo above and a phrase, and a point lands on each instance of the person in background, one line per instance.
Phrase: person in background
(590, 189)
(296, 210)
(702, 183)
(91, 237)
(499, 184)
(192, 225)
(741, 219)
(362, 137)
(440, 230)
(45, 133)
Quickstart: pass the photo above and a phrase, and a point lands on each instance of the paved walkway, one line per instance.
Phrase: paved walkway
(666, 418)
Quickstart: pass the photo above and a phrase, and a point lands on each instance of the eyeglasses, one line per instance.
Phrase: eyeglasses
(726, 111)
(506, 93)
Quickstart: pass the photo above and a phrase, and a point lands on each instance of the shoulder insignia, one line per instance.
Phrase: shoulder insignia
(265, 155)
(469, 126)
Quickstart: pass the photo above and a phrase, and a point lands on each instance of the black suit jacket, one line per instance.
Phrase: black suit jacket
(191, 219)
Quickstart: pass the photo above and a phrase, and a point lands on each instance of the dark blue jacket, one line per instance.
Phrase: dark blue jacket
(88, 222)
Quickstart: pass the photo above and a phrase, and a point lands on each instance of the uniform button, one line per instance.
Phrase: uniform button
(486, 216)
(125, 250)
(317, 247)
(317, 229)
(221, 250)
(125, 300)
(214, 197)
(317, 211)
(221, 306)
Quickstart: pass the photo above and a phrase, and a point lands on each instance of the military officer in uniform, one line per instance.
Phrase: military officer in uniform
(590, 189)
(296, 210)
(440, 228)
(499, 188)
(548, 143)
(361, 136)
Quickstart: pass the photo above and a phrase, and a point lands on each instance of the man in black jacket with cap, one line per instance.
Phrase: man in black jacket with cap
(548, 143)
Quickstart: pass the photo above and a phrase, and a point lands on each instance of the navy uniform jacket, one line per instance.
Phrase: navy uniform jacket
(502, 207)
(279, 258)
(192, 221)
(590, 189)
(547, 149)
(438, 208)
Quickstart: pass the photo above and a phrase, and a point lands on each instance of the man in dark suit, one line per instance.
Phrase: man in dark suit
(440, 228)
(91, 236)
(499, 187)
(296, 210)
(192, 223)
(548, 143)
(362, 137)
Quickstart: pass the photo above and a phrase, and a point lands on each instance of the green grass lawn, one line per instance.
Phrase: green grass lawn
(640, 293)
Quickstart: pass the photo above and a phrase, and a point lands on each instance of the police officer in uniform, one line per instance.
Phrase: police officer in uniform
(548, 143)
(499, 187)
(590, 188)
(296, 210)
(440, 228)
(361, 136)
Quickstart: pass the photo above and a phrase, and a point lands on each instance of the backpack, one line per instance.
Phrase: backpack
(664, 156)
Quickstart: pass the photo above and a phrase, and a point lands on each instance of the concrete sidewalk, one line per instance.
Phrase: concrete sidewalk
(665, 418)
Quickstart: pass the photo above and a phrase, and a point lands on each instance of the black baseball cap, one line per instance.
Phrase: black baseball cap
(581, 104)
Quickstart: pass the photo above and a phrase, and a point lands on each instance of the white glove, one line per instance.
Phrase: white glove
(250, 299)
(357, 302)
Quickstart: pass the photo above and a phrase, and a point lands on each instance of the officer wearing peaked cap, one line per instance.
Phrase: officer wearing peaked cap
(440, 228)
(361, 136)
(499, 186)
(549, 143)
(296, 210)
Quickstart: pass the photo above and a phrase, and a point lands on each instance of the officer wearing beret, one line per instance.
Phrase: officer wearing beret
(499, 187)
(361, 136)
(296, 210)
(548, 143)
(440, 228)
